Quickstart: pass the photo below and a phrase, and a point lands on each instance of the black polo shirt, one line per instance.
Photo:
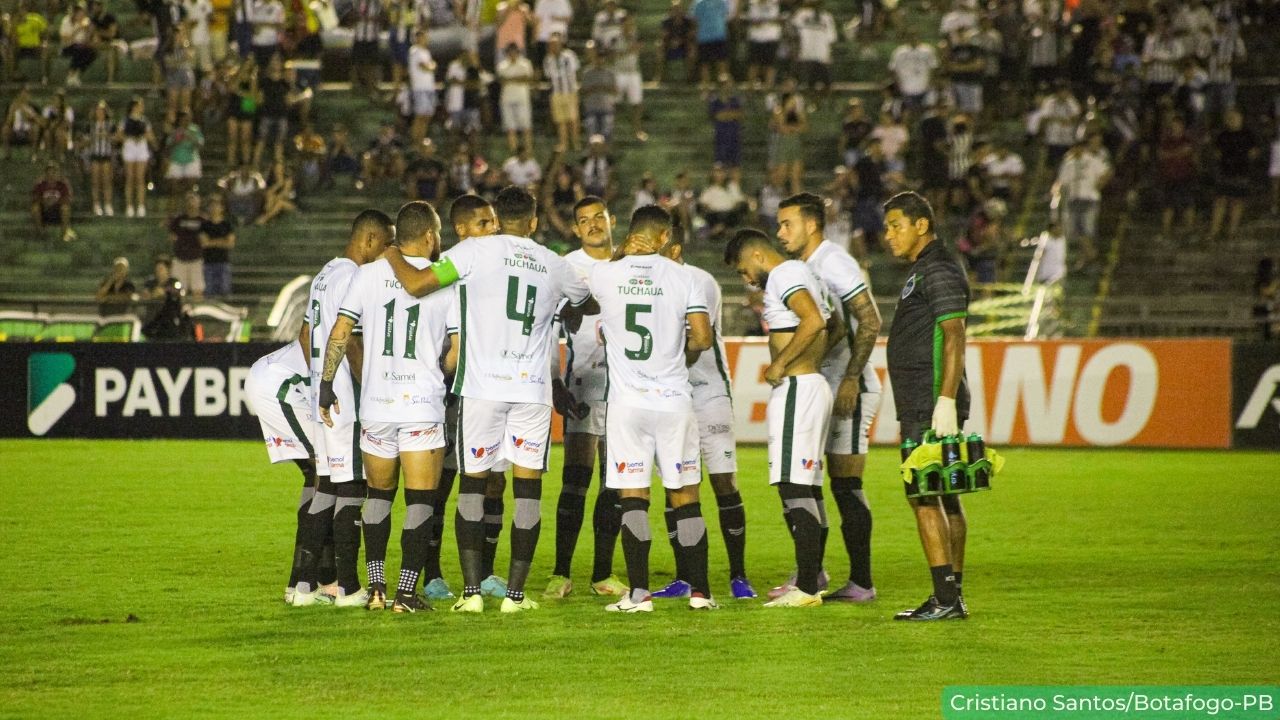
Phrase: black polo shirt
(936, 290)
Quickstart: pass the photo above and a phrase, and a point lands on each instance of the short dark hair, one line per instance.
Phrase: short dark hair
(586, 202)
(371, 220)
(811, 207)
(649, 220)
(462, 208)
(415, 219)
(744, 240)
(913, 205)
(514, 204)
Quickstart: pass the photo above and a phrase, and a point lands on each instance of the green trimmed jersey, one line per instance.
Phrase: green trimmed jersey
(709, 376)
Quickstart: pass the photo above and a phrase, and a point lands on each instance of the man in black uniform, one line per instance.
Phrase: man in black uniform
(926, 367)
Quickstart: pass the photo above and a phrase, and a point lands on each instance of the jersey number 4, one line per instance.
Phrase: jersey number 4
(524, 317)
(389, 331)
(634, 310)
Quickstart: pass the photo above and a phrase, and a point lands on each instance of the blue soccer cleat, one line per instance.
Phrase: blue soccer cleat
(741, 588)
(675, 589)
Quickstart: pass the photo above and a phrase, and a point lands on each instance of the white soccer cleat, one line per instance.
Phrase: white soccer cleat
(355, 600)
(795, 597)
(511, 606)
(626, 606)
(703, 603)
(469, 604)
(288, 596)
(307, 599)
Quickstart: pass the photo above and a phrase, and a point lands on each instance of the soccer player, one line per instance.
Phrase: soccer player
(853, 381)
(926, 367)
(797, 311)
(278, 390)
(508, 288)
(645, 303)
(713, 407)
(401, 397)
(579, 397)
(337, 502)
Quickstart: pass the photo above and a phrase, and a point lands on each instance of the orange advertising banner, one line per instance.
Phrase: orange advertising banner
(1074, 393)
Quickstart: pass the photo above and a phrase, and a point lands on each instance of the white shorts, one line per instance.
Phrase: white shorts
(517, 116)
(135, 151)
(424, 102)
(715, 435)
(283, 406)
(190, 273)
(389, 440)
(489, 432)
(798, 414)
(187, 171)
(850, 435)
(637, 437)
(592, 424)
(630, 88)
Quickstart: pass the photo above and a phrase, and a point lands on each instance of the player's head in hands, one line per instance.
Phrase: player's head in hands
(908, 224)
(674, 249)
(800, 223)
(472, 216)
(593, 225)
(649, 231)
(418, 230)
(752, 254)
(517, 211)
(371, 232)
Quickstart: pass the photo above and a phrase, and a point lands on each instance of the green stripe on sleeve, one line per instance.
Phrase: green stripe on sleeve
(790, 292)
(951, 316)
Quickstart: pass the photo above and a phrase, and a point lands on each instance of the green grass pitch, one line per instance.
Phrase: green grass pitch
(1085, 567)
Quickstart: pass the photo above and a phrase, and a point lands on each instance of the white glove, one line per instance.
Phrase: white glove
(944, 417)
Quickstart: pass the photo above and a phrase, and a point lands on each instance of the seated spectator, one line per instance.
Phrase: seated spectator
(184, 155)
(855, 128)
(243, 188)
(721, 204)
(340, 158)
(30, 39)
(161, 281)
(465, 170)
(983, 239)
(383, 159)
(523, 170)
(184, 240)
(22, 122)
(426, 177)
(677, 41)
(217, 240)
(893, 136)
(647, 193)
(682, 203)
(116, 292)
(56, 137)
(76, 33)
(559, 194)
(1005, 170)
(598, 170)
(280, 196)
(725, 110)
(51, 202)
(312, 153)
(491, 182)
(599, 95)
(1235, 148)
(871, 188)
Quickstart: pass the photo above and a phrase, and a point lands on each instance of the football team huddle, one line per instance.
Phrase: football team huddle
(443, 367)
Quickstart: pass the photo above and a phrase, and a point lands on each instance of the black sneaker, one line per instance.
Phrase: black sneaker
(964, 609)
(377, 597)
(930, 610)
(410, 603)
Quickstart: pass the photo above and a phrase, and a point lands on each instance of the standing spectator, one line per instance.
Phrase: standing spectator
(243, 188)
(553, 18)
(855, 128)
(217, 240)
(721, 204)
(1083, 174)
(725, 109)
(515, 19)
(106, 37)
(681, 203)
(273, 113)
(102, 154)
(116, 292)
(400, 38)
(1005, 170)
(677, 41)
(241, 27)
(912, 64)
(774, 190)
(816, 29)
(559, 195)
(242, 108)
(626, 68)
(426, 177)
(647, 192)
(959, 18)
(1162, 53)
(268, 22)
(560, 67)
(184, 156)
(1235, 148)
(76, 34)
(967, 66)
(599, 94)
(983, 239)
(422, 83)
(893, 137)
(340, 158)
(137, 141)
(1059, 119)
(523, 170)
(51, 202)
(179, 75)
(712, 31)
(764, 32)
(59, 120)
(198, 13)
(465, 95)
(1043, 50)
(1226, 49)
(1176, 177)
(870, 173)
(516, 75)
(598, 170)
(184, 239)
(29, 32)
(789, 121)
(366, 58)
(384, 158)
(607, 27)
(311, 152)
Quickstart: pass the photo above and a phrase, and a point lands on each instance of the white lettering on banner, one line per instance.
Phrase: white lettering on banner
(1144, 380)
(236, 400)
(173, 387)
(142, 395)
(210, 392)
(1022, 385)
(1264, 394)
(108, 386)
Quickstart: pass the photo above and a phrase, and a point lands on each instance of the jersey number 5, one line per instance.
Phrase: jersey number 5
(633, 326)
(524, 317)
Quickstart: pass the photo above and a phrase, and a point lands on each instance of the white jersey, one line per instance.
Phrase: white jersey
(785, 280)
(402, 380)
(585, 375)
(508, 290)
(844, 279)
(709, 375)
(328, 288)
(421, 79)
(644, 301)
(282, 376)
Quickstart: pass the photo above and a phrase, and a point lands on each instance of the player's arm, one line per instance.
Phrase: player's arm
(862, 308)
(334, 352)
(418, 283)
(835, 333)
(451, 356)
(699, 336)
(355, 355)
(807, 332)
(304, 339)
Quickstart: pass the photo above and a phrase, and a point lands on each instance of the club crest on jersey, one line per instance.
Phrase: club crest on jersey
(910, 287)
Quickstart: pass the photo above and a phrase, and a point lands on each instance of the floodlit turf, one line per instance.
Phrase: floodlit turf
(144, 579)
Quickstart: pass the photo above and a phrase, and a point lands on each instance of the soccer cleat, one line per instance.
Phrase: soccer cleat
(410, 603)
(777, 592)
(469, 604)
(493, 586)
(675, 589)
(964, 607)
(851, 592)
(288, 596)
(626, 606)
(511, 606)
(931, 610)
(437, 589)
(377, 598)
(795, 597)
(307, 599)
(697, 602)
(741, 588)
(558, 587)
(359, 599)
(611, 586)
